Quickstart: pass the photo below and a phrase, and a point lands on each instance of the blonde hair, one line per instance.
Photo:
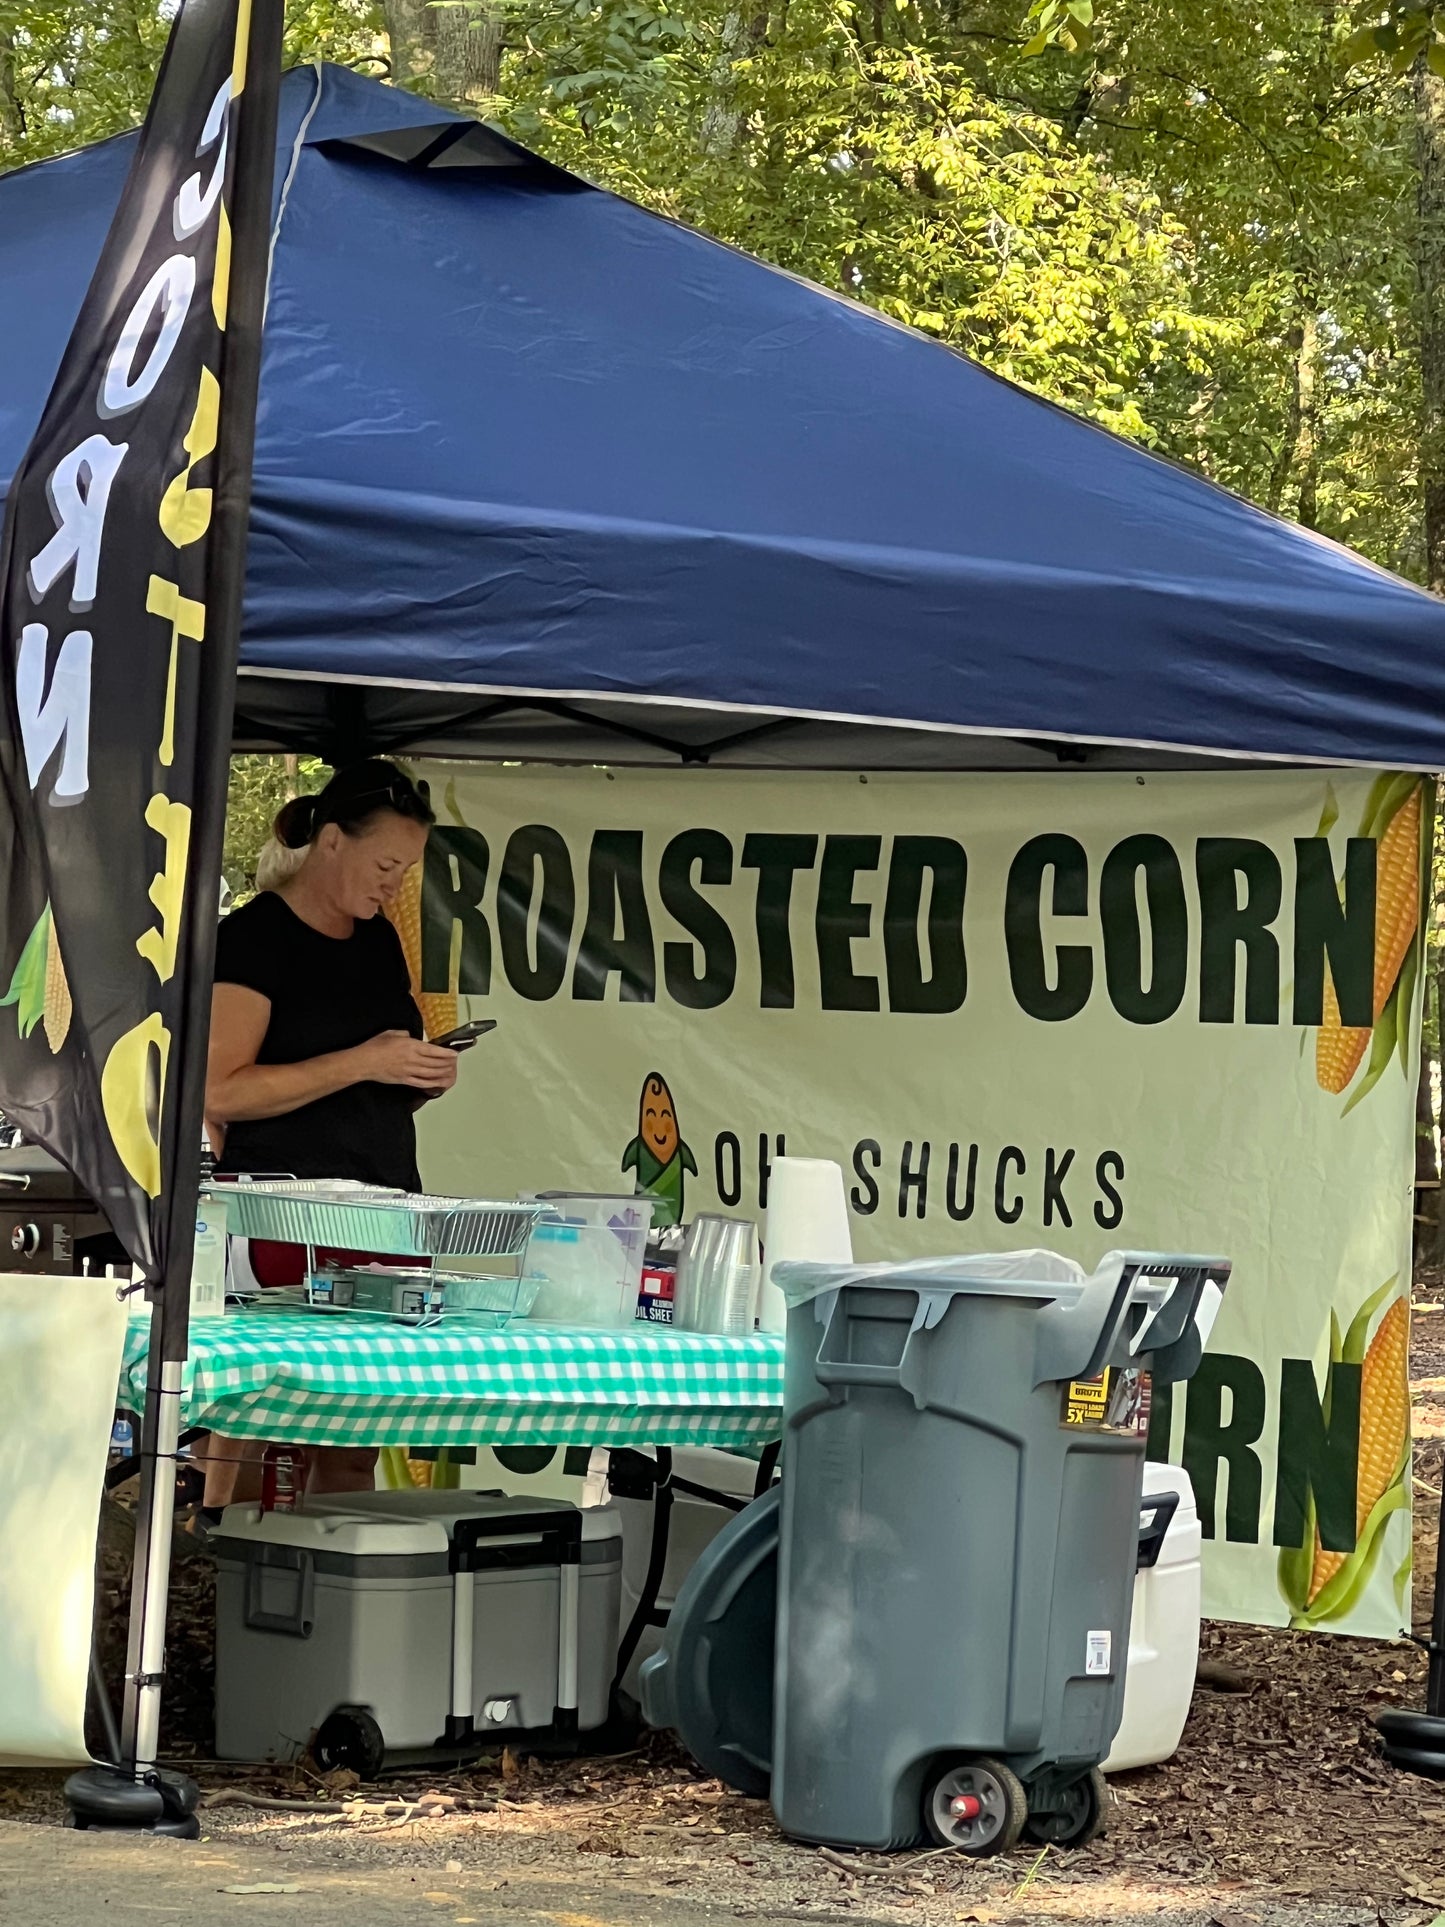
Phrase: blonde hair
(277, 864)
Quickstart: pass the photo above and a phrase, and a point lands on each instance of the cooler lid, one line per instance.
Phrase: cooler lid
(447, 1509)
(350, 1533)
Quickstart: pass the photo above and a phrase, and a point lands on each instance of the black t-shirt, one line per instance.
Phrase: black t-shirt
(326, 994)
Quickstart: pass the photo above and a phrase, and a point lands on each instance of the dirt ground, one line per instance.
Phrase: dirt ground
(1278, 1810)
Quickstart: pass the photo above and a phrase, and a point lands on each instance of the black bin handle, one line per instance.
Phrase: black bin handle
(1156, 1515)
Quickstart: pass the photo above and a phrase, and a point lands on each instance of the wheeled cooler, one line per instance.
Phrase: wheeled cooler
(1163, 1623)
(378, 1625)
(958, 1535)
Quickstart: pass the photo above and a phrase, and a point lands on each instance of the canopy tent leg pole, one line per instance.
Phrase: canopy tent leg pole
(136, 1793)
(150, 1582)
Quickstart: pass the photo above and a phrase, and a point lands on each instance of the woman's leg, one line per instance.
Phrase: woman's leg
(233, 1471)
(342, 1468)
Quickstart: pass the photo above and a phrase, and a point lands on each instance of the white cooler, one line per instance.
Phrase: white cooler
(394, 1623)
(1163, 1632)
(692, 1526)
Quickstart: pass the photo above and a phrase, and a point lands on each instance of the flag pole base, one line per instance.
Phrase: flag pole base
(104, 1799)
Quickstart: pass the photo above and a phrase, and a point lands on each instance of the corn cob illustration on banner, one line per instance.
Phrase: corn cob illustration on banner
(1321, 1586)
(1394, 817)
(438, 1008)
(38, 989)
(57, 993)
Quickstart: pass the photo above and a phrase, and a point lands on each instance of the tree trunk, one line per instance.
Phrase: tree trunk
(1284, 460)
(12, 118)
(721, 122)
(1427, 1162)
(1299, 448)
(455, 52)
(1430, 275)
(719, 128)
(1308, 451)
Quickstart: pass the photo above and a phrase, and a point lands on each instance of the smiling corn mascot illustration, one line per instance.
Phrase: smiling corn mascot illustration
(657, 1154)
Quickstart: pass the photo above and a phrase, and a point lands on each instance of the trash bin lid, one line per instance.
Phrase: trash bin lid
(1044, 1275)
(712, 1681)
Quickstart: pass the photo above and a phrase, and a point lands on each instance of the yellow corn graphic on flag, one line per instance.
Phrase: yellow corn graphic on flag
(1384, 1430)
(1340, 1048)
(438, 1008)
(57, 993)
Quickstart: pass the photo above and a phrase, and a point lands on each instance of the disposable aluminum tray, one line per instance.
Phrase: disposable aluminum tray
(390, 1223)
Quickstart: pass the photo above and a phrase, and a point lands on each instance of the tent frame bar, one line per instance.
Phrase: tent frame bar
(347, 739)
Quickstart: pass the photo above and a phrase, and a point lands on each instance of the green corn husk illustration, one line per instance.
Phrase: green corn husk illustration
(1321, 1586)
(38, 989)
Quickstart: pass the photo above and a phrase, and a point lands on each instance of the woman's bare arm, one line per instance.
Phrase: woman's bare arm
(238, 1088)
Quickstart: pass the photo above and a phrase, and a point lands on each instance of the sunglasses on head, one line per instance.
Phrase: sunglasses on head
(399, 791)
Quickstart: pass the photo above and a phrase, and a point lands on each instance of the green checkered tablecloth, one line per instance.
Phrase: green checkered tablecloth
(324, 1381)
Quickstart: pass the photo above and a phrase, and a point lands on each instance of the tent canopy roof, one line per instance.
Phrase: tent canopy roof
(541, 474)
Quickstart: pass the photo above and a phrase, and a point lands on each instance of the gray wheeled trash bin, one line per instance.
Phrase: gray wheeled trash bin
(960, 1514)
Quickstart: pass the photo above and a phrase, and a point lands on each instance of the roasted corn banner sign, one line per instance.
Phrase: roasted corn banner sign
(1080, 1011)
(107, 681)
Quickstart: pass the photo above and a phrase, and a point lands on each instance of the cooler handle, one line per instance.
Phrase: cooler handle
(295, 1560)
(1156, 1515)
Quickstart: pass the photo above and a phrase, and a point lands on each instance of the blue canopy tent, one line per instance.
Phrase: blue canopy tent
(539, 474)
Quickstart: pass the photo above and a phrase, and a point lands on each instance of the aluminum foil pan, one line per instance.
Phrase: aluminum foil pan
(390, 1223)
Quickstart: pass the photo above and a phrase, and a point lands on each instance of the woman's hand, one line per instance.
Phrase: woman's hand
(396, 1057)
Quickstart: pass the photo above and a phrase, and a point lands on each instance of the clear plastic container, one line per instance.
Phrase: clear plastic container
(589, 1265)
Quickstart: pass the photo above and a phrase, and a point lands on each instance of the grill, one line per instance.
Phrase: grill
(48, 1223)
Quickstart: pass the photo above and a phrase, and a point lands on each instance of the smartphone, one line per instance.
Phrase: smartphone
(465, 1035)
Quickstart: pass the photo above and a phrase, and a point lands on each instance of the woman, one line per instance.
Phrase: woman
(317, 1060)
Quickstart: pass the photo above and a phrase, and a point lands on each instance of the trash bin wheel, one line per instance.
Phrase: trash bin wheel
(977, 1806)
(1078, 1814)
(350, 1737)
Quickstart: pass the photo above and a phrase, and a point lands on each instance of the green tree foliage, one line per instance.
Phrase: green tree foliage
(73, 71)
(1195, 227)
(259, 786)
(875, 152)
(1193, 223)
